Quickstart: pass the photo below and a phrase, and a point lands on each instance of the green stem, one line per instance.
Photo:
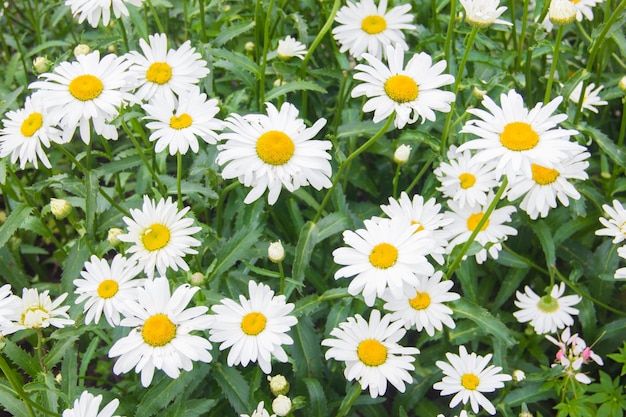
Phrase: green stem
(394, 182)
(422, 172)
(522, 38)
(450, 34)
(15, 383)
(555, 60)
(203, 36)
(281, 271)
(148, 165)
(266, 45)
(18, 42)
(156, 17)
(179, 176)
(124, 35)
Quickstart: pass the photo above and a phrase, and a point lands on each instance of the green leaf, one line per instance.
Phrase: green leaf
(91, 193)
(22, 359)
(484, 320)
(360, 128)
(239, 60)
(158, 396)
(73, 264)
(13, 405)
(317, 399)
(304, 249)
(306, 350)
(233, 386)
(118, 166)
(529, 393)
(351, 396)
(11, 272)
(235, 249)
(331, 225)
(59, 349)
(191, 408)
(543, 233)
(292, 86)
(617, 154)
(19, 214)
(233, 31)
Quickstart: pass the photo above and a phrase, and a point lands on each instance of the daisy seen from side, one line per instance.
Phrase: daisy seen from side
(615, 225)
(468, 376)
(269, 152)
(37, 310)
(484, 13)
(88, 405)
(549, 312)
(260, 411)
(107, 288)
(405, 93)
(95, 10)
(620, 273)
(372, 353)
(161, 236)
(384, 255)
(289, 48)
(367, 28)
(160, 336)
(254, 329)
(591, 98)
(10, 305)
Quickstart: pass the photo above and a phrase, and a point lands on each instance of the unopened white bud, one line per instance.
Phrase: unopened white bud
(622, 83)
(81, 49)
(41, 64)
(197, 278)
(401, 155)
(276, 252)
(278, 384)
(112, 236)
(281, 406)
(562, 12)
(60, 208)
(518, 375)
(249, 46)
(526, 414)
(478, 93)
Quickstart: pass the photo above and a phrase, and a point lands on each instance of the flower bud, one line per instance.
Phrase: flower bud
(41, 64)
(112, 236)
(197, 278)
(401, 155)
(278, 82)
(276, 252)
(478, 93)
(278, 385)
(249, 46)
(58, 378)
(526, 414)
(81, 49)
(518, 375)
(60, 208)
(281, 406)
(622, 83)
(562, 12)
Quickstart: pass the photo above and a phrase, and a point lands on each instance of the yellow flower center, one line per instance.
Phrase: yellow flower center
(401, 88)
(548, 304)
(373, 24)
(275, 147)
(474, 219)
(383, 256)
(34, 316)
(420, 227)
(159, 73)
(574, 1)
(543, 175)
(181, 122)
(371, 352)
(155, 237)
(86, 87)
(467, 180)
(158, 330)
(107, 288)
(31, 124)
(470, 381)
(253, 323)
(519, 136)
(421, 301)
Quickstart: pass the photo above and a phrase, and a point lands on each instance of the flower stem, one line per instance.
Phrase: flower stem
(394, 182)
(179, 176)
(422, 172)
(147, 163)
(281, 271)
(266, 45)
(16, 385)
(555, 60)
(450, 33)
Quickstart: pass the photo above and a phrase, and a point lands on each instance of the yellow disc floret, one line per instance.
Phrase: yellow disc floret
(275, 147)
(253, 323)
(155, 237)
(181, 122)
(467, 180)
(421, 301)
(107, 288)
(474, 219)
(86, 87)
(470, 381)
(31, 124)
(383, 256)
(519, 136)
(371, 352)
(158, 330)
(373, 24)
(159, 73)
(543, 175)
(401, 88)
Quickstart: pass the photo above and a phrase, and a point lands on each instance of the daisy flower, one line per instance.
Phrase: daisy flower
(89, 406)
(516, 137)
(274, 151)
(160, 336)
(591, 98)
(162, 72)
(386, 254)
(484, 13)
(365, 27)
(620, 273)
(615, 224)
(492, 233)
(161, 236)
(10, 306)
(425, 215)
(410, 92)
(86, 91)
(466, 180)
(93, 10)
(289, 47)
(177, 125)
(547, 313)
(25, 131)
(259, 412)
(107, 288)
(37, 310)
(254, 329)
(463, 413)
(468, 376)
(422, 305)
(371, 352)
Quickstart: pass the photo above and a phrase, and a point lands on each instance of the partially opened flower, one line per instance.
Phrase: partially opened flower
(549, 312)
(10, 307)
(484, 13)
(88, 405)
(260, 411)
(615, 225)
(620, 273)
(94, 10)
(289, 47)
(37, 311)
(591, 98)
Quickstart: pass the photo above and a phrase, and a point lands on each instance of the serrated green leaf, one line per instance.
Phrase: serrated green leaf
(235, 249)
(543, 233)
(23, 360)
(238, 60)
(317, 399)
(610, 148)
(158, 396)
(292, 86)
(304, 249)
(306, 350)
(191, 408)
(73, 264)
(11, 403)
(529, 393)
(91, 193)
(118, 165)
(59, 349)
(484, 320)
(233, 31)
(10, 271)
(17, 217)
(233, 386)
(331, 225)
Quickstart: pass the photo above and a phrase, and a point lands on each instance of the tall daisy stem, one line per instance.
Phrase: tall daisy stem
(555, 60)
(281, 271)
(16, 385)
(450, 33)
(179, 176)
(266, 45)
(457, 261)
(145, 161)
(394, 183)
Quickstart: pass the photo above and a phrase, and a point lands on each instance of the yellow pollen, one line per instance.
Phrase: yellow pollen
(421, 301)
(470, 381)
(371, 352)
(467, 180)
(158, 330)
(253, 323)
(519, 136)
(383, 256)
(420, 227)
(86, 87)
(159, 73)
(373, 24)
(107, 288)
(474, 219)
(155, 237)
(31, 124)
(181, 122)
(622, 228)
(275, 148)
(574, 1)
(543, 175)
(401, 88)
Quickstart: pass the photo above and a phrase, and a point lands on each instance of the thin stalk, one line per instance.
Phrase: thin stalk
(124, 35)
(620, 143)
(281, 271)
(514, 27)
(203, 36)
(266, 45)
(421, 173)
(156, 17)
(179, 177)
(17, 41)
(450, 34)
(147, 163)
(220, 204)
(394, 182)
(522, 36)
(555, 59)
(15, 383)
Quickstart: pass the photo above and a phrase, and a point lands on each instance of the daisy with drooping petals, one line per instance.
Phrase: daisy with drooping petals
(255, 329)
(89, 406)
(289, 47)
(371, 352)
(386, 254)
(516, 137)
(591, 98)
(274, 151)
(410, 92)
(93, 10)
(422, 305)
(10, 306)
(484, 13)
(259, 412)
(89, 90)
(492, 233)
(162, 72)
(615, 225)
(25, 131)
(365, 27)
(468, 376)
(161, 236)
(160, 337)
(547, 313)
(547, 184)
(466, 180)
(37, 310)
(178, 125)
(107, 288)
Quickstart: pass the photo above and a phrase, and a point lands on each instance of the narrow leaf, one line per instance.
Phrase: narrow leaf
(158, 396)
(306, 350)
(235, 249)
(484, 320)
(331, 225)
(543, 233)
(13, 405)
(22, 359)
(11, 272)
(304, 249)
(317, 399)
(233, 385)
(19, 214)
(232, 32)
(73, 264)
(292, 86)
